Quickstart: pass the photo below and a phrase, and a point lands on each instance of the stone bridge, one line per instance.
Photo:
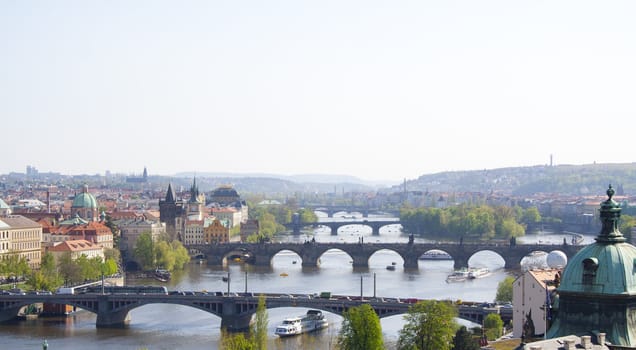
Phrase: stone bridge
(235, 311)
(335, 225)
(261, 254)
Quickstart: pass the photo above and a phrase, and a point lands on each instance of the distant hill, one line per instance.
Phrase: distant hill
(586, 179)
(269, 183)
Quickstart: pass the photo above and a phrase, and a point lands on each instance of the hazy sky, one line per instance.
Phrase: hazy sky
(375, 89)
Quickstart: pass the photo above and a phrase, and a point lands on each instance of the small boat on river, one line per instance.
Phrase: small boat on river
(464, 274)
(312, 321)
(477, 272)
(162, 275)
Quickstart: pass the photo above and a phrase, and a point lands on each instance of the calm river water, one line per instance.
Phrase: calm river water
(165, 326)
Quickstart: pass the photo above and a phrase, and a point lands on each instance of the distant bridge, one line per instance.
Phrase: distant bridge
(235, 311)
(335, 225)
(310, 252)
(332, 209)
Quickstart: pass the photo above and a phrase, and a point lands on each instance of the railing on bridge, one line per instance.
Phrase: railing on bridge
(235, 309)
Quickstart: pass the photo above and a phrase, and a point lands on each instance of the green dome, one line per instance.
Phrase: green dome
(607, 266)
(601, 268)
(84, 200)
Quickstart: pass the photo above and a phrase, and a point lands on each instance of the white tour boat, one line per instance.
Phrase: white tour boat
(464, 274)
(477, 272)
(312, 321)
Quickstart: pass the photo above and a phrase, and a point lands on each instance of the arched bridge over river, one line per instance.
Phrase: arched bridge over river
(310, 252)
(334, 225)
(235, 310)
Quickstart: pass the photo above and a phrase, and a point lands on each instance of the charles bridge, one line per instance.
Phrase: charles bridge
(261, 254)
(235, 310)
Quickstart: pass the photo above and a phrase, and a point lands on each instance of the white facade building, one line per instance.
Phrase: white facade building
(529, 297)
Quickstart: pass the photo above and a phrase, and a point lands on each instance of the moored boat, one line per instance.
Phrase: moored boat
(162, 275)
(435, 255)
(313, 320)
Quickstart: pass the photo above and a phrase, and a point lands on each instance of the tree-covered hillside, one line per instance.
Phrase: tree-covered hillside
(563, 179)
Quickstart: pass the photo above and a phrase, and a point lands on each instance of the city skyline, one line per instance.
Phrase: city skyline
(377, 90)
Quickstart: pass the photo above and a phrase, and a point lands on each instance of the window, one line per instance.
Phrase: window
(590, 265)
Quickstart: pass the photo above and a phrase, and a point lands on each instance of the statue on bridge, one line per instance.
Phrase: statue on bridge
(411, 239)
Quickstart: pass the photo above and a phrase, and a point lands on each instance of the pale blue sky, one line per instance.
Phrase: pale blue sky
(374, 89)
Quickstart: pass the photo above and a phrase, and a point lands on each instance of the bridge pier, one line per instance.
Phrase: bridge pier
(214, 260)
(8, 314)
(236, 323)
(360, 261)
(410, 262)
(262, 260)
(460, 261)
(108, 317)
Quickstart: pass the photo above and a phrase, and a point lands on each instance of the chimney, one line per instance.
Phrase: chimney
(601, 338)
(569, 344)
(586, 342)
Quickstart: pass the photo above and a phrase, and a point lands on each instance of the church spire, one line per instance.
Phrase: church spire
(194, 191)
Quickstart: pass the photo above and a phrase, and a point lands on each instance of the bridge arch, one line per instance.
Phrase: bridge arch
(329, 257)
(478, 257)
(389, 256)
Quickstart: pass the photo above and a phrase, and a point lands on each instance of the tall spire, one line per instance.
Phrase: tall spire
(170, 195)
(194, 191)
(610, 216)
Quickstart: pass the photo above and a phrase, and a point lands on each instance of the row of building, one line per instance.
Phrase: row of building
(85, 230)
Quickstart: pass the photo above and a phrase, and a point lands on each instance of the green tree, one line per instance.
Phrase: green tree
(145, 251)
(360, 329)
(69, 270)
(504, 290)
(493, 326)
(181, 256)
(430, 325)
(110, 267)
(235, 341)
(164, 255)
(626, 224)
(259, 330)
(531, 216)
(464, 340)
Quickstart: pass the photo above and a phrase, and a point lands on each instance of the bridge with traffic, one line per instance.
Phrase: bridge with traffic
(235, 310)
(261, 254)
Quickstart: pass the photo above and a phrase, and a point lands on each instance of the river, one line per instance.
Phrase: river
(166, 326)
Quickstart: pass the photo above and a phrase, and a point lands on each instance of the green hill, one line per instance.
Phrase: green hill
(563, 179)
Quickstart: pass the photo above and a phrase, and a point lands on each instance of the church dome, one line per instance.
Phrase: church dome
(607, 266)
(84, 200)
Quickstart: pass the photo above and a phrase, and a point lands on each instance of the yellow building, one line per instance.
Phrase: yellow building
(22, 236)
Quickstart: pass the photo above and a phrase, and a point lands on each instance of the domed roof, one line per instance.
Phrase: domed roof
(225, 191)
(607, 266)
(84, 200)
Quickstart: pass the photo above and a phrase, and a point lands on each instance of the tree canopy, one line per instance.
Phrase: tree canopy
(477, 222)
(464, 340)
(493, 326)
(168, 255)
(360, 329)
(430, 325)
(504, 290)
